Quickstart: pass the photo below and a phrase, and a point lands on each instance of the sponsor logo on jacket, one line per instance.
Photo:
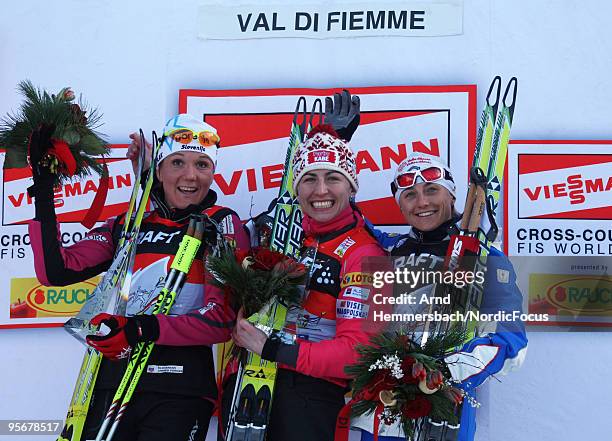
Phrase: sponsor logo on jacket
(348, 309)
(344, 246)
(356, 279)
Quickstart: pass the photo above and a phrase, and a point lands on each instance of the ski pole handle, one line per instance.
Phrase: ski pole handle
(475, 200)
(469, 205)
(477, 209)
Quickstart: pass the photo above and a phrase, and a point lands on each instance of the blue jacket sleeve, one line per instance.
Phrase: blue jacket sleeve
(387, 241)
(501, 345)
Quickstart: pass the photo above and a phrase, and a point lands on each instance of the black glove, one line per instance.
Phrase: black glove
(342, 114)
(264, 223)
(275, 350)
(40, 143)
(210, 235)
(42, 190)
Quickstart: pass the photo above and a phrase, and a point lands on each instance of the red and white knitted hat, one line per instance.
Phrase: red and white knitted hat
(323, 149)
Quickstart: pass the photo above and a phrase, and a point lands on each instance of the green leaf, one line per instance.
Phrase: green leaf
(71, 137)
(15, 159)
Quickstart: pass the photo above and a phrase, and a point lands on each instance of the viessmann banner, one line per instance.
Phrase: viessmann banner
(559, 195)
(254, 127)
(25, 302)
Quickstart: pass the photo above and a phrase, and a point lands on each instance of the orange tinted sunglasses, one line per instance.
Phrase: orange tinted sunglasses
(186, 136)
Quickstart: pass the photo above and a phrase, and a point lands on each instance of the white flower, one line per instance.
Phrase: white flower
(391, 362)
(388, 416)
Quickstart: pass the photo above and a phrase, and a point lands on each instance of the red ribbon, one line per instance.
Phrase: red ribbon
(377, 413)
(61, 150)
(343, 421)
(93, 214)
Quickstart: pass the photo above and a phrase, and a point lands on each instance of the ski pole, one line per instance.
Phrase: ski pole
(107, 292)
(127, 375)
(172, 285)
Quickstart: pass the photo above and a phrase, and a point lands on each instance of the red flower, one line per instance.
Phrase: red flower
(434, 379)
(454, 395)
(407, 364)
(418, 371)
(417, 408)
(292, 268)
(68, 94)
(78, 113)
(266, 259)
(403, 340)
(382, 380)
(241, 255)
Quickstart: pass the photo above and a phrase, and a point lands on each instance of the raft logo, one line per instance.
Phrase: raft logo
(565, 186)
(49, 301)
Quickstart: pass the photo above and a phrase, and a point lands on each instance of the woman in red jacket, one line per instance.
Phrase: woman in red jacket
(335, 310)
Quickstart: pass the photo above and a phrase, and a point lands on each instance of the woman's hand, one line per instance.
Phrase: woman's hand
(248, 336)
(133, 152)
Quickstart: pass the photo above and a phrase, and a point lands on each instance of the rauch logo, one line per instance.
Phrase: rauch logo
(65, 300)
(583, 295)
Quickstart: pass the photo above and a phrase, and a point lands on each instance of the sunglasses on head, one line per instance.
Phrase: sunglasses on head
(429, 174)
(186, 136)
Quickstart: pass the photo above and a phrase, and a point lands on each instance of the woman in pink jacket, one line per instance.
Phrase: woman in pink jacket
(175, 395)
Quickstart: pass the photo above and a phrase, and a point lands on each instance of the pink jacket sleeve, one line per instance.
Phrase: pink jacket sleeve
(56, 265)
(329, 357)
(212, 323)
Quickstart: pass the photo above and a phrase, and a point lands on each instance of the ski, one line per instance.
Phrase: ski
(485, 183)
(140, 354)
(293, 242)
(106, 297)
(478, 228)
(252, 399)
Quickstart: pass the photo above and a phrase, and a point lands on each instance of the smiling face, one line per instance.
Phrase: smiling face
(426, 206)
(323, 194)
(186, 178)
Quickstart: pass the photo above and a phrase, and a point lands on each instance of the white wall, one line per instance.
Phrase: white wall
(130, 59)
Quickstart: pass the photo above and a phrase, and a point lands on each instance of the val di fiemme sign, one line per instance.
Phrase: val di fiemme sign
(405, 19)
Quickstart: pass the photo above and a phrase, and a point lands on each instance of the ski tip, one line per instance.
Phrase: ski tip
(301, 102)
(314, 112)
(512, 86)
(300, 108)
(494, 90)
